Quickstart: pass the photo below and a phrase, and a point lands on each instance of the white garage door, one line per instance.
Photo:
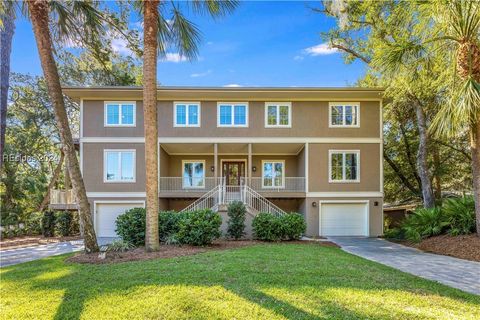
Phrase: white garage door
(344, 219)
(107, 213)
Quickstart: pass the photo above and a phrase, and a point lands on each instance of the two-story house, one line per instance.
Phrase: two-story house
(316, 151)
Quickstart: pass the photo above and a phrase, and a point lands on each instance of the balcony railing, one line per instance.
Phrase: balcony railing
(261, 185)
(62, 196)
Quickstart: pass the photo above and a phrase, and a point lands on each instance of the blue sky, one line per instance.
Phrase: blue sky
(261, 44)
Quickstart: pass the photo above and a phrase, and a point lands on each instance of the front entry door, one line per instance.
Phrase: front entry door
(233, 171)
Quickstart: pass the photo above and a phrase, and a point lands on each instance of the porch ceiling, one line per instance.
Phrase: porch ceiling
(232, 148)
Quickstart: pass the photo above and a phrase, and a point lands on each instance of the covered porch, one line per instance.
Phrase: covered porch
(271, 169)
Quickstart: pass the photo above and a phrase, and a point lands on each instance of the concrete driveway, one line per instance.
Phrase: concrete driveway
(453, 272)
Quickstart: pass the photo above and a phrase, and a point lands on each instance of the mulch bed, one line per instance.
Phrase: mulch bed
(28, 241)
(172, 251)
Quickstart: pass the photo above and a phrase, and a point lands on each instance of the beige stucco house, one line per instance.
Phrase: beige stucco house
(316, 151)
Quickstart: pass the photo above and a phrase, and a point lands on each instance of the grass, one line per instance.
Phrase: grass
(277, 281)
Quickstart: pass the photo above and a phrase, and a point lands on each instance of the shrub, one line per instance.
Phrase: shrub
(120, 246)
(48, 224)
(267, 227)
(33, 224)
(130, 226)
(293, 226)
(236, 223)
(423, 223)
(394, 233)
(460, 214)
(199, 227)
(168, 224)
(63, 222)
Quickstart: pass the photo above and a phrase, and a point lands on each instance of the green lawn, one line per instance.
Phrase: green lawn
(277, 281)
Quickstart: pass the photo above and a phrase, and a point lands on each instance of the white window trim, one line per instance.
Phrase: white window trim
(333, 104)
(278, 104)
(186, 125)
(263, 174)
(232, 104)
(105, 151)
(204, 174)
(134, 103)
(330, 153)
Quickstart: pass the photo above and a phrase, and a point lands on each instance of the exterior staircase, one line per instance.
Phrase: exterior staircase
(219, 197)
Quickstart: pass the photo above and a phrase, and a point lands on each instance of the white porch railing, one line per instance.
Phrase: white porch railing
(289, 184)
(62, 196)
(179, 184)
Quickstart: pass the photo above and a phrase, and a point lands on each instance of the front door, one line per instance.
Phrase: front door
(233, 171)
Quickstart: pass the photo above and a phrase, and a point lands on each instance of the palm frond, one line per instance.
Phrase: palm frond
(185, 35)
(214, 8)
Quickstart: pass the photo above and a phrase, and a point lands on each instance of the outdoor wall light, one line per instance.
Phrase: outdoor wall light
(254, 169)
(375, 203)
(212, 168)
(314, 204)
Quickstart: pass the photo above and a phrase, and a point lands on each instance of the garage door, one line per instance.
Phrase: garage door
(344, 219)
(107, 213)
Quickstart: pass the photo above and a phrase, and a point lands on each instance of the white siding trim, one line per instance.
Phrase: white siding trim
(231, 140)
(116, 195)
(345, 194)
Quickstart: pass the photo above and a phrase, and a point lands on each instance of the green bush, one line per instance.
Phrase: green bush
(199, 227)
(267, 227)
(394, 233)
(293, 226)
(63, 222)
(168, 224)
(460, 214)
(48, 224)
(423, 223)
(33, 225)
(120, 246)
(236, 212)
(130, 226)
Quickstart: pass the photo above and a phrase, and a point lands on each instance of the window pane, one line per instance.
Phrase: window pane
(127, 113)
(278, 167)
(284, 121)
(113, 114)
(198, 174)
(225, 115)
(337, 172)
(337, 115)
(272, 115)
(355, 115)
(112, 166)
(127, 166)
(193, 114)
(348, 115)
(268, 174)
(240, 115)
(181, 114)
(188, 174)
(351, 166)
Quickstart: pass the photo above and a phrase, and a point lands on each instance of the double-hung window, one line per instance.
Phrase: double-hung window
(120, 114)
(278, 115)
(344, 166)
(186, 114)
(273, 174)
(344, 114)
(119, 166)
(193, 173)
(232, 115)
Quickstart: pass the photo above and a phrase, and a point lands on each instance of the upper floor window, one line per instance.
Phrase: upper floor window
(344, 114)
(120, 114)
(273, 174)
(193, 174)
(119, 166)
(186, 114)
(278, 115)
(232, 115)
(344, 166)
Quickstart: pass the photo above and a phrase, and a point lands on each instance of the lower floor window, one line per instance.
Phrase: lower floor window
(344, 166)
(273, 173)
(119, 166)
(193, 174)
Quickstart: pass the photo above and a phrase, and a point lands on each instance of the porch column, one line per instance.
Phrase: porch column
(249, 163)
(215, 161)
(306, 166)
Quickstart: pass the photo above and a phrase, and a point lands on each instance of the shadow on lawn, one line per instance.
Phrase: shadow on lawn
(243, 272)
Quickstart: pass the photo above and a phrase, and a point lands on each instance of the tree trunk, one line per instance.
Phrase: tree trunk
(6, 35)
(475, 148)
(56, 173)
(150, 29)
(39, 16)
(437, 175)
(422, 163)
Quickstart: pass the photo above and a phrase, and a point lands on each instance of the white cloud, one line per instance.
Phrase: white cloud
(233, 85)
(320, 50)
(201, 74)
(119, 45)
(174, 57)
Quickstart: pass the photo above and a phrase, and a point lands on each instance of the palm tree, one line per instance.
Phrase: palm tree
(159, 34)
